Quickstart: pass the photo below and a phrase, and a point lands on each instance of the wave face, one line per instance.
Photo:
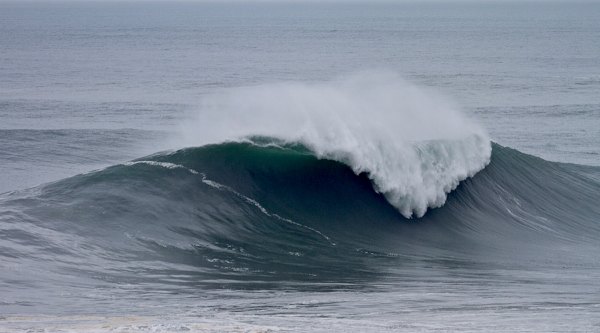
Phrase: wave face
(412, 143)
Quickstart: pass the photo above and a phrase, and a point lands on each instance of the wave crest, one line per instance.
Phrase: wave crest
(415, 145)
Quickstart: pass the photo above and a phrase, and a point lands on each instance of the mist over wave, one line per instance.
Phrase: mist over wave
(414, 144)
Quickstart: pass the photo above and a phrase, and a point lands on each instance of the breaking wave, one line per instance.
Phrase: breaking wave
(413, 144)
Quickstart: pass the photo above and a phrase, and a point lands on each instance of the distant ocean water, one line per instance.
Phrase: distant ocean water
(299, 167)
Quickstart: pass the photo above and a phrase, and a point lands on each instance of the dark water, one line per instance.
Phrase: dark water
(239, 236)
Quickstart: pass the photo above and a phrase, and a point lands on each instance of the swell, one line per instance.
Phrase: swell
(268, 214)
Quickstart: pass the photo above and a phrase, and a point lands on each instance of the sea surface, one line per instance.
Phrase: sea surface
(299, 167)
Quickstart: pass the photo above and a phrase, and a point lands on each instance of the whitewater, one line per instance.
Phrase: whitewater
(293, 167)
(414, 144)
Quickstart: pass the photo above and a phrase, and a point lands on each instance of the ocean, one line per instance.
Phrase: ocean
(299, 166)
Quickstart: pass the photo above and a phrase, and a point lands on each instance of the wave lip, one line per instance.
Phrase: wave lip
(414, 144)
(422, 174)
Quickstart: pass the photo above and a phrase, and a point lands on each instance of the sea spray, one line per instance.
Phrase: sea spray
(414, 144)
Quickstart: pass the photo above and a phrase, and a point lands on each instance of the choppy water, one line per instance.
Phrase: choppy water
(307, 227)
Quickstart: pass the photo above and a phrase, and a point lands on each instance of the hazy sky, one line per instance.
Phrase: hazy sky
(306, 1)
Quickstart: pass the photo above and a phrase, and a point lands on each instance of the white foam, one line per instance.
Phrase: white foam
(413, 143)
(166, 165)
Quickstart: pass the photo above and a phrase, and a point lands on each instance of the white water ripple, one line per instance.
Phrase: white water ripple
(166, 165)
(255, 203)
